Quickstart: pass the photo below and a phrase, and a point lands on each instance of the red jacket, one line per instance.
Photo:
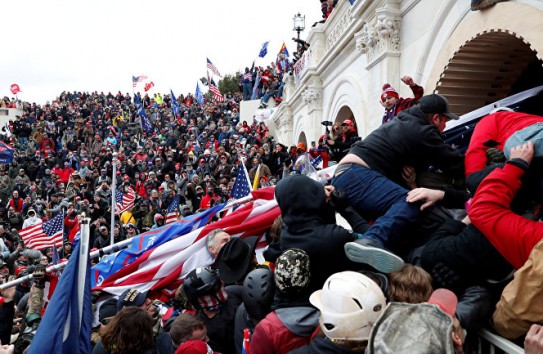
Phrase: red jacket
(498, 127)
(511, 234)
(271, 336)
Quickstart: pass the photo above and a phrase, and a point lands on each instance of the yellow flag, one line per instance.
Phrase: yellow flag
(257, 178)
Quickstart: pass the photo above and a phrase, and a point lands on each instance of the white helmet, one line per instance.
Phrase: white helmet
(349, 303)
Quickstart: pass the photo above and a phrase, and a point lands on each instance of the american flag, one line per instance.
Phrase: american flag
(162, 269)
(42, 235)
(171, 214)
(215, 90)
(137, 79)
(124, 201)
(242, 186)
(213, 68)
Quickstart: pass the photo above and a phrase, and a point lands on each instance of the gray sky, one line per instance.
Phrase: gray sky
(50, 46)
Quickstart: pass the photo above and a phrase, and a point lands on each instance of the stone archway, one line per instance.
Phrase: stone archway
(343, 114)
(486, 55)
(489, 67)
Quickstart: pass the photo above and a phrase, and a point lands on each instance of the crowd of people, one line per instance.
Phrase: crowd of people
(435, 235)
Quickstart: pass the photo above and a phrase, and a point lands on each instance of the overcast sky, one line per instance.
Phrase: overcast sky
(54, 45)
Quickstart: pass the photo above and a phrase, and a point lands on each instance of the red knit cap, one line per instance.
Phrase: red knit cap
(388, 91)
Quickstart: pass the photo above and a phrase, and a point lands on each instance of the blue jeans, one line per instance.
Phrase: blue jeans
(371, 192)
(247, 91)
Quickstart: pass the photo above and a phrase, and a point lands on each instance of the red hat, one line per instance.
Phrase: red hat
(192, 347)
(347, 122)
(388, 91)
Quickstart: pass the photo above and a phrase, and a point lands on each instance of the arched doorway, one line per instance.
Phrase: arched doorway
(343, 114)
(487, 68)
(302, 139)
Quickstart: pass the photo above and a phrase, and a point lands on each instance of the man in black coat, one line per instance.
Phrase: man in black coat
(369, 171)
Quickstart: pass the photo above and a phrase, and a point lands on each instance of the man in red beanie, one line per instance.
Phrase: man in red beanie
(394, 104)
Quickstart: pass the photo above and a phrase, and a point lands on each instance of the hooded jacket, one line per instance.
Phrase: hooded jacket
(284, 330)
(309, 223)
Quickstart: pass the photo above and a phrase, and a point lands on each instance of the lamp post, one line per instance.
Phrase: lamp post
(299, 25)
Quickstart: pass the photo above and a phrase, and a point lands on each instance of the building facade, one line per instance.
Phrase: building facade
(472, 57)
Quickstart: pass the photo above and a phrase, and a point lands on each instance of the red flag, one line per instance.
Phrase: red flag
(149, 86)
(162, 269)
(15, 89)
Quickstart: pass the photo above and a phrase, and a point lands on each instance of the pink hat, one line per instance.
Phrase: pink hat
(445, 299)
(388, 91)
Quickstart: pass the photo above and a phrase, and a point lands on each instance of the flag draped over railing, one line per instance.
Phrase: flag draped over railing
(162, 269)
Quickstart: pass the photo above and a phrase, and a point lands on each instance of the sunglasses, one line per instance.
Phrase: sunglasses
(105, 321)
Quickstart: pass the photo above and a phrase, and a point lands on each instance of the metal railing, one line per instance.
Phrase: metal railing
(491, 343)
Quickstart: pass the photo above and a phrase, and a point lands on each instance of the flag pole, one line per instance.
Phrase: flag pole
(113, 197)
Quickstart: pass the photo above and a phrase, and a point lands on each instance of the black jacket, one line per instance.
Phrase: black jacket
(408, 140)
(323, 345)
(309, 223)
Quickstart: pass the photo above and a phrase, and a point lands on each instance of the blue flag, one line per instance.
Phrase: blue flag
(264, 50)
(145, 123)
(199, 96)
(6, 153)
(352, 1)
(66, 324)
(147, 240)
(176, 109)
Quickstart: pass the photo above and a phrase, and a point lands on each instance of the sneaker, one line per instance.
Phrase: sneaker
(368, 252)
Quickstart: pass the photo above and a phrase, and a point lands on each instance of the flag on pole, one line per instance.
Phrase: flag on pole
(215, 90)
(6, 153)
(124, 201)
(15, 89)
(264, 49)
(162, 269)
(137, 79)
(145, 123)
(176, 109)
(242, 185)
(148, 86)
(213, 68)
(199, 96)
(284, 50)
(172, 212)
(44, 234)
(66, 324)
(148, 240)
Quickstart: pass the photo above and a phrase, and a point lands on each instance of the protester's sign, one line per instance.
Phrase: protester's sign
(301, 66)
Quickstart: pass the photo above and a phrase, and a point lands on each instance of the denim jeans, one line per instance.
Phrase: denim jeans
(247, 91)
(371, 192)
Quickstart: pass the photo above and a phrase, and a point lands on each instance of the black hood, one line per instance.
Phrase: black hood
(302, 199)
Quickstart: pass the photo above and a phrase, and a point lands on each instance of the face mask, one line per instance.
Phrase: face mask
(199, 194)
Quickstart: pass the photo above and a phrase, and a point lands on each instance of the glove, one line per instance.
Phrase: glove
(494, 156)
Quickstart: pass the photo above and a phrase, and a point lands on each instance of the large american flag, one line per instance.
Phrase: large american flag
(44, 234)
(171, 214)
(242, 185)
(162, 269)
(215, 90)
(124, 201)
(213, 68)
(137, 79)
